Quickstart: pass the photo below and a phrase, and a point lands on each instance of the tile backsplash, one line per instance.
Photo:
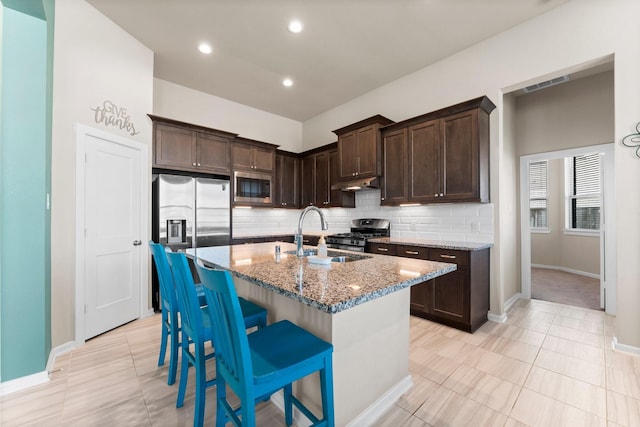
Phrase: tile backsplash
(460, 222)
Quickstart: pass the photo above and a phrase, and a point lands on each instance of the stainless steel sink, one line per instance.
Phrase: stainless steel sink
(335, 256)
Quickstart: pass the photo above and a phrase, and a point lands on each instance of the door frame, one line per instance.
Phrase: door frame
(608, 287)
(82, 131)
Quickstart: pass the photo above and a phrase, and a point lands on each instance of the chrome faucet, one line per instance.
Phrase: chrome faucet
(298, 237)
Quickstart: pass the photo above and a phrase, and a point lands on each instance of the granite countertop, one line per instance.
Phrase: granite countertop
(331, 288)
(440, 244)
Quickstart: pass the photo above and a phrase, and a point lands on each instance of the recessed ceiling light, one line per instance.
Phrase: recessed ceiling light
(287, 82)
(295, 26)
(205, 48)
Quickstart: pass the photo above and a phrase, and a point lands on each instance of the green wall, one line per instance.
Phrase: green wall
(25, 159)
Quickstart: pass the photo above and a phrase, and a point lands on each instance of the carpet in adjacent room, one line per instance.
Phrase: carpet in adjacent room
(565, 288)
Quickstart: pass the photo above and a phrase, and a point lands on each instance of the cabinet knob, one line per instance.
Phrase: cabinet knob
(436, 195)
(199, 165)
(193, 164)
(441, 195)
(382, 198)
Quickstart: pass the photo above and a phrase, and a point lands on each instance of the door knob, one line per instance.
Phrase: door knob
(137, 243)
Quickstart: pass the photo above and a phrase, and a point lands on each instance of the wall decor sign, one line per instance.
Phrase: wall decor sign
(112, 115)
(633, 140)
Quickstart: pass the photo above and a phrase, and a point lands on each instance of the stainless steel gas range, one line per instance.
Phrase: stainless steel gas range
(361, 230)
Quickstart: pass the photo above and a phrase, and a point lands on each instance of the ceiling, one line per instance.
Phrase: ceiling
(346, 49)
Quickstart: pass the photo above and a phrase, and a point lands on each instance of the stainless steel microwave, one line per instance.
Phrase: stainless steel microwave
(252, 187)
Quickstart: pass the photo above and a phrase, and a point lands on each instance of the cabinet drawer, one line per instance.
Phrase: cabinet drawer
(310, 240)
(449, 255)
(382, 249)
(413, 252)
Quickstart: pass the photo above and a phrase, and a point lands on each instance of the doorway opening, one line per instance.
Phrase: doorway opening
(574, 117)
(569, 265)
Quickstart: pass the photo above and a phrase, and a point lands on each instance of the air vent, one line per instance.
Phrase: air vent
(545, 84)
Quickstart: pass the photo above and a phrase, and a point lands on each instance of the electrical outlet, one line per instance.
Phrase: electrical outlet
(474, 226)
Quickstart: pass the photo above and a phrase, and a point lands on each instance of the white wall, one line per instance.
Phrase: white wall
(574, 114)
(94, 61)
(570, 37)
(181, 103)
(506, 217)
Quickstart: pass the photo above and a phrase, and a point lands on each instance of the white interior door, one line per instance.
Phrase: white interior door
(113, 242)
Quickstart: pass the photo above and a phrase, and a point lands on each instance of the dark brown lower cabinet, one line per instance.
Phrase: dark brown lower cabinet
(447, 297)
(459, 299)
(381, 248)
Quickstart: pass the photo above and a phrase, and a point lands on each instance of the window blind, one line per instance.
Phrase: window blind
(538, 217)
(584, 188)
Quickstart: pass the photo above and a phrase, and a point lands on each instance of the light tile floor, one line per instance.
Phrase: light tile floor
(548, 365)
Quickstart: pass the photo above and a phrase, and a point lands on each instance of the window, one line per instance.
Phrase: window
(538, 218)
(583, 191)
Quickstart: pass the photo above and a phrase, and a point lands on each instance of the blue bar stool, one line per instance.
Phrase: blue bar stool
(170, 310)
(196, 329)
(257, 365)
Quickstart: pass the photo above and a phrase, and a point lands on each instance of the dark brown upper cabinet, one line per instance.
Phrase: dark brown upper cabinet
(187, 147)
(307, 180)
(359, 148)
(319, 172)
(253, 155)
(395, 176)
(338, 198)
(441, 156)
(287, 191)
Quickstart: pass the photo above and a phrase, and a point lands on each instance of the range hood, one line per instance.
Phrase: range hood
(357, 184)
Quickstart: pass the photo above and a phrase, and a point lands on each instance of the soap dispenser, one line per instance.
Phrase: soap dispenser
(322, 247)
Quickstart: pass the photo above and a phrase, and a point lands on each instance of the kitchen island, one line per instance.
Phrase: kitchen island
(360, 306)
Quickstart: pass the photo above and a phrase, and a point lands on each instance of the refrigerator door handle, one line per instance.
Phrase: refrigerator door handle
(137, 243)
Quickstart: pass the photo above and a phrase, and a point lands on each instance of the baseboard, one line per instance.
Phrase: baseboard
(511, 301)
(567, 270)
(40, 377)
(367, 417)
(501, 318)
(624, 347)
(58, 351)
(22, 383)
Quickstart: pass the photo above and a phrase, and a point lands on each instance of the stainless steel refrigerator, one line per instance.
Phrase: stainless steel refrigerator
(189, 212)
